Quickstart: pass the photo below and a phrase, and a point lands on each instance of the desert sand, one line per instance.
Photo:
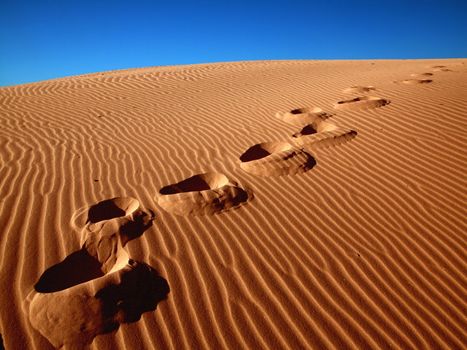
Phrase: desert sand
(243, 205)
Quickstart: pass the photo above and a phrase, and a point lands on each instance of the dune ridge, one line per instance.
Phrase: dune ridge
(364, 249)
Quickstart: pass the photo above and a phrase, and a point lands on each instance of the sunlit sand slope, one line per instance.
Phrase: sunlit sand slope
(247, 205)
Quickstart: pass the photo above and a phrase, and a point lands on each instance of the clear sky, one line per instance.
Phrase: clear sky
(46, 39)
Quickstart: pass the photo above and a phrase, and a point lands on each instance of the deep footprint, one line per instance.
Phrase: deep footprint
(414, 81)
(358, 89)
(202, 194)
(363, 102)
(74, 316)
(440, 68)
(112, 208)
(417, 75)
(98, 287)
(322, 134)
(104, 210)
(302, 116)
(276, 159)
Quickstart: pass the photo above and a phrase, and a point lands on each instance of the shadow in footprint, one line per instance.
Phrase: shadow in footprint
(414, 81)
(307, 130)
(276, 159)
(362, 102)
(440, 68)
(260, 151)
(192, 184)
(203, 194)
(78, 267)
(322, 134)
(303, 116)
(416, 75)
(135, 228)
(139, 291)
(75, 316)
(95, 289)
(81, 266)
(112, 208)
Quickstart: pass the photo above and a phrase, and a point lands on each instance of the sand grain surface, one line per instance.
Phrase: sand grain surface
(246, 205)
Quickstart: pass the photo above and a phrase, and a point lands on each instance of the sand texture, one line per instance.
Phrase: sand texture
(244, 205)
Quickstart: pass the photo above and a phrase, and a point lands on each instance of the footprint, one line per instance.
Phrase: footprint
(112, 208)
(73, 317)
(302, 116)
(414, 81)
(358, 89)
(440, 68)
(417, 75)
(322, 134)
(98, 287)
(363, 102)
(202, 194)
(276, 159)
(104, 210)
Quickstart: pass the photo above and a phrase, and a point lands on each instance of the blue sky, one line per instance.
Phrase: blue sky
(47, 39)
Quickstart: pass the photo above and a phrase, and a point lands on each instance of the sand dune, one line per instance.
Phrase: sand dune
(244, 205)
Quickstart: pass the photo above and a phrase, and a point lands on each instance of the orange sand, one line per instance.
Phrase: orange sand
(247, 205)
